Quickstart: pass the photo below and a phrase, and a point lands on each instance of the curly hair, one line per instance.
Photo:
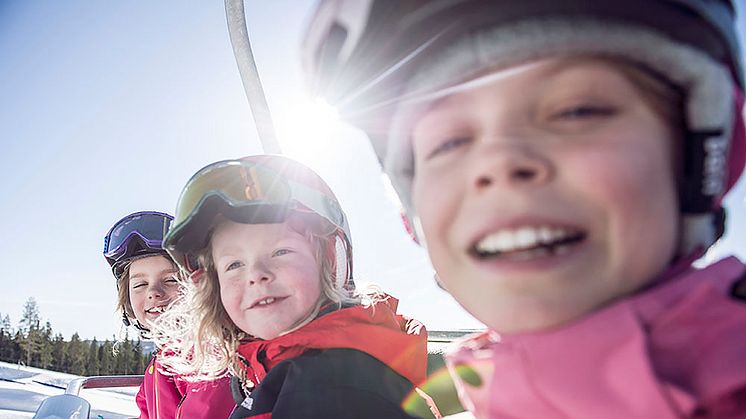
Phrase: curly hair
(199, 338)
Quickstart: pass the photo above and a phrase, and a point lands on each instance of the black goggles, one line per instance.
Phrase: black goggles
(136, 234)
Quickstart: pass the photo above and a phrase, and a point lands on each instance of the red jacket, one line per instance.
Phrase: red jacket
(164, 396)
(359, 361)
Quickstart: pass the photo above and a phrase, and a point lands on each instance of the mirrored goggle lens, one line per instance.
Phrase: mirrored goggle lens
(150, 227)
(237, 182)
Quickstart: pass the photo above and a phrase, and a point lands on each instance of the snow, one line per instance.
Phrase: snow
(22, 389)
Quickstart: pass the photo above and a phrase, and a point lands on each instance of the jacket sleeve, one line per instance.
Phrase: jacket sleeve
(333, 383)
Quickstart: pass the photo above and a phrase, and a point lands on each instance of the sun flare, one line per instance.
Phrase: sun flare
(306, 128)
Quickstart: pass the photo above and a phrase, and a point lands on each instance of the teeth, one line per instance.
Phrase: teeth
(526, 237)
(522, 238)
(158, 309)
(266, 301)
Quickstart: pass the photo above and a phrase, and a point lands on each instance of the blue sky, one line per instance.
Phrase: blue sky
(109, 107)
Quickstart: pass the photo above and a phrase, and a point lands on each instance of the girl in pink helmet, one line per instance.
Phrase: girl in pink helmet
(564, 164)
(148, 281)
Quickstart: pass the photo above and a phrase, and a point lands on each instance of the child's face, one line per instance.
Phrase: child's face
(545, 194)
(152, 287)
(269, 277)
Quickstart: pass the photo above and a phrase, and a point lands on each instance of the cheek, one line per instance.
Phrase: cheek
(172, 291)
(310, 289)
(630, 188)
(136, 300)
(434, 199)
(231, 296)
(623, 165)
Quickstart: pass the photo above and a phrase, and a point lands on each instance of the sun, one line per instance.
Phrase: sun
(307, 129)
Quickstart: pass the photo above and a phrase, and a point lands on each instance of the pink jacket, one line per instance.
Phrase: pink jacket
(164, 396)
(676, 350)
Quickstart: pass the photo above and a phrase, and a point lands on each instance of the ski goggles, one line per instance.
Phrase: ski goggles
(149, 227)
(250, 192)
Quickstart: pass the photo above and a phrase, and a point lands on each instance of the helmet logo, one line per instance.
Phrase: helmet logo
(716, 149)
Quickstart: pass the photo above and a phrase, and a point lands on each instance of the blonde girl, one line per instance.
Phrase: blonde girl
(273, 299)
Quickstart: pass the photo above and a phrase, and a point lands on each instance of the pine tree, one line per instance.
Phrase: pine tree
(5, 326)
(6, 339)
(77, 351)
(137, 359)
(30, 317)
(16, 352)
(123, 356)
(30, 330)
(106, 358)
(59, 353)
(46, 358)
(92, 365)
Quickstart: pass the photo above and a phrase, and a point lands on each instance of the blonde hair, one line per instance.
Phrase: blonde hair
(123, 294)
(201, 341)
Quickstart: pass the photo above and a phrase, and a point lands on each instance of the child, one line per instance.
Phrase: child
(147, 283)
(274, 303)
(564, 164)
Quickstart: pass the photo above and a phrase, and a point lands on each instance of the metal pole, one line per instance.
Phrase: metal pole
(74, 386)
(239, 36)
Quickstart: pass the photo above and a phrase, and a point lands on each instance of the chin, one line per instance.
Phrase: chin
(524, 319)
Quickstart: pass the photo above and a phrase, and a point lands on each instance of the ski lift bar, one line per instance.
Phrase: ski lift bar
(78, 384)
(71, 405)
(239, 35)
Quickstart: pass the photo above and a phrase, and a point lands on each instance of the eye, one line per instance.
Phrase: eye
(139, 285)
(448, 145)
(172, 279)
(582, 112)
(281, 252)
(233, 265)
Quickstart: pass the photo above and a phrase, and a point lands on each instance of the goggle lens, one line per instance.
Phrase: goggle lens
(151, 227)
(237, 183)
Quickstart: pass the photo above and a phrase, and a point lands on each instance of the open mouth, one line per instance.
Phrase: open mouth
(266, 302)
(527, 243)
(157, 310)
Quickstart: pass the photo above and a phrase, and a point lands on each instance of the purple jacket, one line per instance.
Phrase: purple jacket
(164, 396)
(675, 350)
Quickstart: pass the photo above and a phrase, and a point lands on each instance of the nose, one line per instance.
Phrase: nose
(260, 273)
(513, 165)
(155, 290)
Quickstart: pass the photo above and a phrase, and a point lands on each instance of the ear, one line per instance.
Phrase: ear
(197, 275)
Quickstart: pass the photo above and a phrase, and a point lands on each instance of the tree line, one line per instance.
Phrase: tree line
(36, 345)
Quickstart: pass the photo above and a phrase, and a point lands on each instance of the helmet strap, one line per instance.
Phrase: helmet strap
(137, 325)
(705, 166)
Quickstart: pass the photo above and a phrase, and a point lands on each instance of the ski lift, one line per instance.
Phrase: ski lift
(71, 405)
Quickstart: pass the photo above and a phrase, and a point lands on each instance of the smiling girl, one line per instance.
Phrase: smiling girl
(274, 301)
(148, 281)
(564, 164)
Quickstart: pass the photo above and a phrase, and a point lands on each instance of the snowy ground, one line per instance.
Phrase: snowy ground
(22, 389)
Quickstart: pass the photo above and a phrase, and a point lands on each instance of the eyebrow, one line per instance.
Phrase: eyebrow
(165, 271)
